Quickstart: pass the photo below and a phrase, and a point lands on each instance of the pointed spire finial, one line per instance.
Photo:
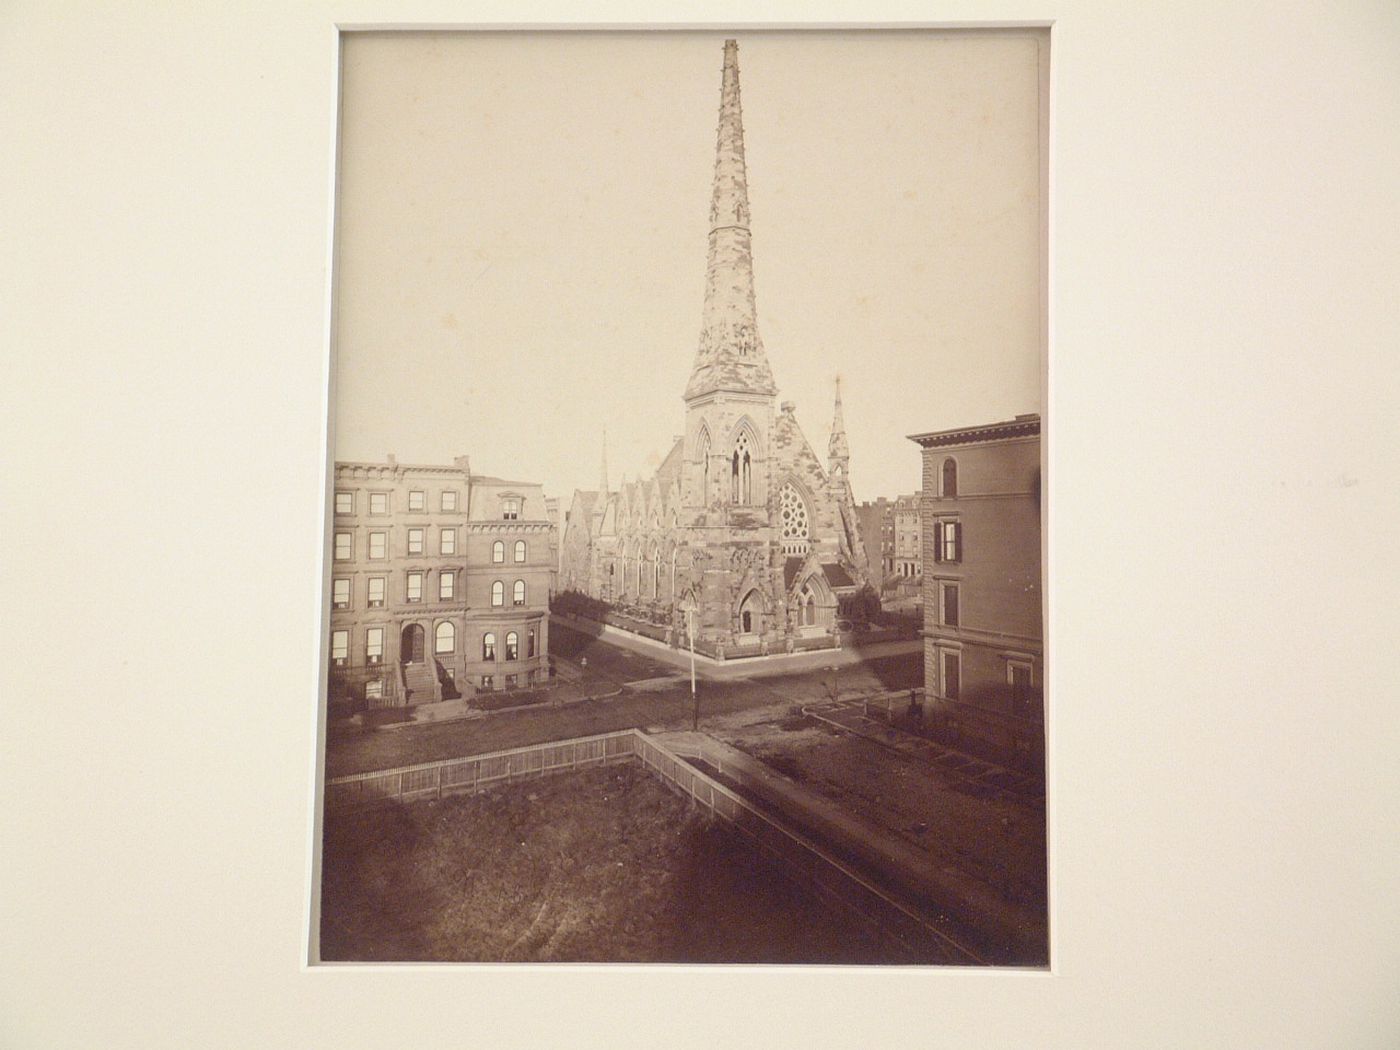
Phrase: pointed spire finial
(603, 477)
(730, 356)
(838, 451)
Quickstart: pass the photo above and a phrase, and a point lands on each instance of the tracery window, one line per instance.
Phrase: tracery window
(792, 511)
(741, 472)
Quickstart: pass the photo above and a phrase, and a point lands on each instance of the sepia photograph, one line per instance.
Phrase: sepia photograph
(661, 525)
(685, 581)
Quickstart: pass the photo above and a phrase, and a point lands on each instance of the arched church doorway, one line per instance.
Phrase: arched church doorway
(411, 644)
(751, 613)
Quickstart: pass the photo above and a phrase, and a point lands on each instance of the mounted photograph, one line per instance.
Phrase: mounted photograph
(684, 578)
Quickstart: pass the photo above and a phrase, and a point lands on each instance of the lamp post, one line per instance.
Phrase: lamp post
(688, 607)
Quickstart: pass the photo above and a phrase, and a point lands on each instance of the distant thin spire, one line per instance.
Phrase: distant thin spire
(730, 355)
(838, 450)
(603, 477)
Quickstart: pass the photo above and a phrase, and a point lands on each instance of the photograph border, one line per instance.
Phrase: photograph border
(311, 958)
(1225, 241)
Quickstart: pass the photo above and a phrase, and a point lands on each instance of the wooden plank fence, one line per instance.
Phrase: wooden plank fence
(478, 772)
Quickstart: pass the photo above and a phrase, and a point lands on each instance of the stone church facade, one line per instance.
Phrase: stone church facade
(742, 518)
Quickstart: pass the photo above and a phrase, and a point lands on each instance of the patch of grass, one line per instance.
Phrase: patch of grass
(604, 866)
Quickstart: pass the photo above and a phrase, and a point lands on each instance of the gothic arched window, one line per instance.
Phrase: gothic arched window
(792, 513)
(741, 471)
(704, 469)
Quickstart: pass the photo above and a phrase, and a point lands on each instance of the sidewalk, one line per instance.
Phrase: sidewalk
(565, 692)
(740, 667)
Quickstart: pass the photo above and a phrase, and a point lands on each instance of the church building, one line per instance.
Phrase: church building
(742, 522)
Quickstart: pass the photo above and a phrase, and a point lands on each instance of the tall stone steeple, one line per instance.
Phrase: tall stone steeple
(730, 356)
(837, 450)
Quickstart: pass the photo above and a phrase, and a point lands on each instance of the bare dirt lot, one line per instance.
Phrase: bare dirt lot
(993, 837)
(603, 866)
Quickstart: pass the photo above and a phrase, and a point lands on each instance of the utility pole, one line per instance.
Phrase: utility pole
(688, 607)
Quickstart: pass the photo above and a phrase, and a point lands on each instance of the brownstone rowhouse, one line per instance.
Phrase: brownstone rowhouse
(439, 583)
(984, 649)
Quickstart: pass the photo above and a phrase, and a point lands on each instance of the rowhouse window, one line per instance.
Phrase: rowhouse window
(340, 647)
(415, 541)
(449, 499)
(488, 646)
(950, 478)
(510, 509)
(518, 596)
(376, 591)
(416, 500)
(447, 541)
(488, 682)
(447, 583)
(498, 594)
(374, 645)
(510, 681)
(530, 643)
(374, 689)
(952, 675)
(498, 553)
(342, 546)
(340, 598)
(950, 547)
(950, 604)
(345, 503)
(379, 503)
(512, 646)
(378, 544)
(519, 550)
(415, 586)
(445, 638)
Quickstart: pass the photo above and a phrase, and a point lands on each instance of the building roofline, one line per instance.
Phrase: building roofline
(442, 468)
(1022, 426)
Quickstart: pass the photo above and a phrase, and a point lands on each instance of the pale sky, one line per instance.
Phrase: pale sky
(522, 238)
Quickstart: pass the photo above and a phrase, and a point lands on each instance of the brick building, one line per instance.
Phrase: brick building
(908, 541)
(742, 516)
(983, 636)
(439, 583)
(876, 518)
